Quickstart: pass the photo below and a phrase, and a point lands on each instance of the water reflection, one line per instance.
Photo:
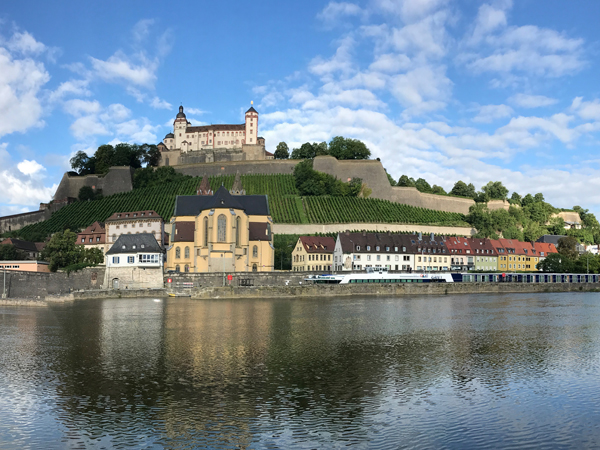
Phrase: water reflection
(457, 372)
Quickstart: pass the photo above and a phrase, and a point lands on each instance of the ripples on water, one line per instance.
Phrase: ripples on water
(496, 371)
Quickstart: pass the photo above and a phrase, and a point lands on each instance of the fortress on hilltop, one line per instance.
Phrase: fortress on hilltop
(189, 144)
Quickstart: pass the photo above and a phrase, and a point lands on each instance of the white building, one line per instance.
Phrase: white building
(135, 261)
(359, 251)
(133, 223)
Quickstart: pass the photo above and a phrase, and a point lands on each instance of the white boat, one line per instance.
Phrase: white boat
(381, 276)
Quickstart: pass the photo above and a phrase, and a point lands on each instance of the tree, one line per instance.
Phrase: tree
(62, 251)
(557, 225)
(86, 193)
(346, 148)
(390, 179)
(320, 149)
(282, 151)
(8, 252)
(533, 231)
(83, 164)
(406, 182)
(555, 263)
(435, 189)
(423, 186)
(306, 151)
(495, 190)
(515, 199)
(480, 218)
(527, 200)
(105, 155)
(539, 197)
(463, 189)
(513, 232)
(150, 176)
(481, 197)
(150, 155)
(567, 247)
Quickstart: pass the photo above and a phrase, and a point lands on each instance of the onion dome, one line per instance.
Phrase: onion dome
(180, 115)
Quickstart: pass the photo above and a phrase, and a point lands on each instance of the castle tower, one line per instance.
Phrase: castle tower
(251, 125)
(237, 188)
(179, 127)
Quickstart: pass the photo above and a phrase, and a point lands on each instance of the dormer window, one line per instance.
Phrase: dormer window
(377, 248)
(368, 247)
(387, 249)
(358, 248)
(124, 247)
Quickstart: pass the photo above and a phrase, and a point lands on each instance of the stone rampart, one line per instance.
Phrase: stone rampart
(118, 179)
(313, 228)
(18, 221)
(266, 167)
(33, 285)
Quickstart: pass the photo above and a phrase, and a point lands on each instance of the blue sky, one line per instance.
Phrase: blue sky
(439, 89)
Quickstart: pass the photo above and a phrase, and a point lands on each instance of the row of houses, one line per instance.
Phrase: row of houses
(408, 252)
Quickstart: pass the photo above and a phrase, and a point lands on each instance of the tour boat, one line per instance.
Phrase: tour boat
(381, 276)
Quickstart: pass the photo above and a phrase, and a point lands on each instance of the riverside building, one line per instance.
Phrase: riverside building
(221, 233)
(313, 253)
(135, 222)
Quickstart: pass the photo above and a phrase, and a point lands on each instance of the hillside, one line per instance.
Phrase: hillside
(285, 203)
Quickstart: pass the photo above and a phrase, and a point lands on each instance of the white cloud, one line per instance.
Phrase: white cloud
(115, 113)
(21, 81)
(490, 113)
(334, 11)
(118, 67)
(71, 87)
(30, 167)
(409, 10)
(195, 111)
(390, 63)
(158, 103)
(141, 30)
(88, 126)
(340, 62)
(423, 89)
(77, 107)
(586, 110)
(27, 192)
(531, 101)
(25, 43)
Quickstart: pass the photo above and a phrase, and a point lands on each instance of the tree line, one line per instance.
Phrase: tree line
(339, 147)
(107, 156)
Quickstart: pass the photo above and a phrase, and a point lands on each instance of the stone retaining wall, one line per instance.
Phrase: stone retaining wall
(312, 228)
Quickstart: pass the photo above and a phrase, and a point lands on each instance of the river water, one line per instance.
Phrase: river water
(488, 371)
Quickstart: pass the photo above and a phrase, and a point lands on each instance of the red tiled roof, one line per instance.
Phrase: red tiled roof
(216, 127)
(148, 214)
(318, 244)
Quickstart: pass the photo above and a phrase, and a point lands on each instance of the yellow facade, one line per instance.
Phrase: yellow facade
(517, 263)
(302, 260)
(222, 243)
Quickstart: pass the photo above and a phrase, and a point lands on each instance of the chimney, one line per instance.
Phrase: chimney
(420, 236)
(432, 237)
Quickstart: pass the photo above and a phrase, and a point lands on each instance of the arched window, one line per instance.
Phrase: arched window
(238, 225)
(187, 253)
(167, 159)
(176, 268)
(255, 251)
(114, 237)
(206, 231)
(254, 268)
(177, 252)
(222, 228)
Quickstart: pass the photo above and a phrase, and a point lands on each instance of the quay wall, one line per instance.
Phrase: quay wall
(33, 285)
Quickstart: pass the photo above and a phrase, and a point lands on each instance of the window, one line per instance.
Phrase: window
(222, 228)
(114, 237)
(130, 259)
(377, 248)
(254, 267)
(143, 258)
(378, 257)
(368, 247)
(206, 231)
(358, 248)
(177, 253)
(187, 252)
(238, 225)
(115, 260)
(368, 257)
(255, 253)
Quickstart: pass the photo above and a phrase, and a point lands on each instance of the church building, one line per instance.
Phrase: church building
(189, 144)
(221, 233)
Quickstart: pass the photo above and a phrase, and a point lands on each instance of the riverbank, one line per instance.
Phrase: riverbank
(311, 291)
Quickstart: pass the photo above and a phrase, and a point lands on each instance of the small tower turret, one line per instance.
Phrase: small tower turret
(251, 125)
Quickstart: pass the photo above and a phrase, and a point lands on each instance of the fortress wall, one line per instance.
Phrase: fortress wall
(498, 204)
(285, 228)
(118, 179)
(18, 221)
(267, 167)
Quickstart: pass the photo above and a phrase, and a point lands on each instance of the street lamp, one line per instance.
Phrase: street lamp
(4, 293)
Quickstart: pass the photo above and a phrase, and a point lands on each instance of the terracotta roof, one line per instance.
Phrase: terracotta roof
(184, 232)
(545, 247)
(318, 244)
(97, 229)
(217, 127)
(148, 214)
(258, 231)
(459, 245)
(483, 245)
